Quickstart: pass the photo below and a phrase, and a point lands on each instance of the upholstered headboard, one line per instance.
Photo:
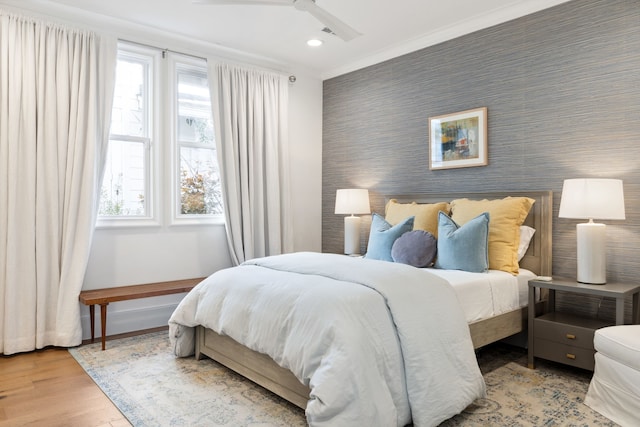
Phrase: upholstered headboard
(538, 257)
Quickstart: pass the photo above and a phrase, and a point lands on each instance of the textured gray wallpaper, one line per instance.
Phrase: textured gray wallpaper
(562, 89)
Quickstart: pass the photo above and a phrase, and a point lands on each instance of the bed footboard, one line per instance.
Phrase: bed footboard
(255, 366)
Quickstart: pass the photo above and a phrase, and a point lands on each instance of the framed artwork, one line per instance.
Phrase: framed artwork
(458, 140)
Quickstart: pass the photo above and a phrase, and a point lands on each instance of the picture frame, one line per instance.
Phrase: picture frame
(458, 140)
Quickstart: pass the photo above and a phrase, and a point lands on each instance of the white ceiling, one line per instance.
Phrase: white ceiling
(389, 27)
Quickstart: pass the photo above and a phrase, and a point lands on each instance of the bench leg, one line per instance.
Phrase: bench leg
(103, 323)
(92, 318)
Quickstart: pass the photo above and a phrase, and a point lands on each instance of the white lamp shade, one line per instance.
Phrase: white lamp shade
(592, 199)
(352, 202)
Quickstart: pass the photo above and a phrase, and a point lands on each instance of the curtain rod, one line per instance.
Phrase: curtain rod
(163, 50)
(292, 78)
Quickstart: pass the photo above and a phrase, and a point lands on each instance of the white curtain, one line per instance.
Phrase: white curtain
(56, 89)
(250, 109)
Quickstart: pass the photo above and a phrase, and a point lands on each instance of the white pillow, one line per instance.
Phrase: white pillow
(526, 233)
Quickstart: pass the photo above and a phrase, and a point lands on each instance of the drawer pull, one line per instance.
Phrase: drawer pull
(571, 356)
(571, 337)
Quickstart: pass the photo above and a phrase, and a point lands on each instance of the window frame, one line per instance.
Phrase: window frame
(153, 100)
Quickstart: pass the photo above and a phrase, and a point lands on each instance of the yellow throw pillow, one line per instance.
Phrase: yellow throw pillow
(426, 214)
(505, 218)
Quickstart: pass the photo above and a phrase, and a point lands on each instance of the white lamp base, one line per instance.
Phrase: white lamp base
(352, 235)
(591, 253)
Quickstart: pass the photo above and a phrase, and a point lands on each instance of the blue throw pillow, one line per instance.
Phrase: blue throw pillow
(416, 248)
(463, 248)
(383, 235)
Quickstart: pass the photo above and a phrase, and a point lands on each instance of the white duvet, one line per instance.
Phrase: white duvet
(378, 343)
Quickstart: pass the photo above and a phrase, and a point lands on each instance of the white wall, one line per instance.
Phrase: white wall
(305, 125)
(127, 256)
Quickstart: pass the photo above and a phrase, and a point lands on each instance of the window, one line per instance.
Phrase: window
(161, 137)
(127, 175)
(198, 174)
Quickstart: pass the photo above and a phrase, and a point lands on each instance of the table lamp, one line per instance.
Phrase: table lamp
(592, 199)
(352, 202)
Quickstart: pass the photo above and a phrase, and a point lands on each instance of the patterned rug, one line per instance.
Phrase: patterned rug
(153, 388)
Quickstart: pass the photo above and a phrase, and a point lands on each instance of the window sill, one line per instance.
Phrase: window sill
(215, 220)
(111, 223)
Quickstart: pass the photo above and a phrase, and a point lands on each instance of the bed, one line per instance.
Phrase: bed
(481, 327)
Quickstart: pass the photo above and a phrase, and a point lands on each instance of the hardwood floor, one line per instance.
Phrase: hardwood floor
(49, 388)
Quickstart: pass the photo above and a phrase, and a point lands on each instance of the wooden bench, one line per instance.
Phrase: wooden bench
(106, 295)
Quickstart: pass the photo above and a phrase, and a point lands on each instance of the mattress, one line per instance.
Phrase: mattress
(484, 295)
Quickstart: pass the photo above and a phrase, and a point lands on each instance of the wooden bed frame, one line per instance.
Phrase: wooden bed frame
(262, 370)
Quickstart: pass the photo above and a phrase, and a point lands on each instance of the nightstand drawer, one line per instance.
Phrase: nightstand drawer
(562, 353)
(564, 333)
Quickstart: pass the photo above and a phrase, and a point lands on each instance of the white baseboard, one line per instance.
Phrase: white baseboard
(122, 321)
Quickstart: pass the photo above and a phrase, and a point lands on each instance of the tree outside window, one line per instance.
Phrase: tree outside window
(200, 190)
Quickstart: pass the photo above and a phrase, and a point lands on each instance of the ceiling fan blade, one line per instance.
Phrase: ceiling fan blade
(339, 28)
(237, 2)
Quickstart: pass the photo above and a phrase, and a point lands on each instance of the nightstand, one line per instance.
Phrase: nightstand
(567, 338)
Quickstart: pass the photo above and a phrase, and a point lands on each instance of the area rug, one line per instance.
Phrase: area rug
(151, 387)
(551, 395)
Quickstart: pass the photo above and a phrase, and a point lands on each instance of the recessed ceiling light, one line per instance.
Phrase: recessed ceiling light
(314, 42)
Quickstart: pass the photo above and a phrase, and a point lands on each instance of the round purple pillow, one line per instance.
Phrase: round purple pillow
(417, 248)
